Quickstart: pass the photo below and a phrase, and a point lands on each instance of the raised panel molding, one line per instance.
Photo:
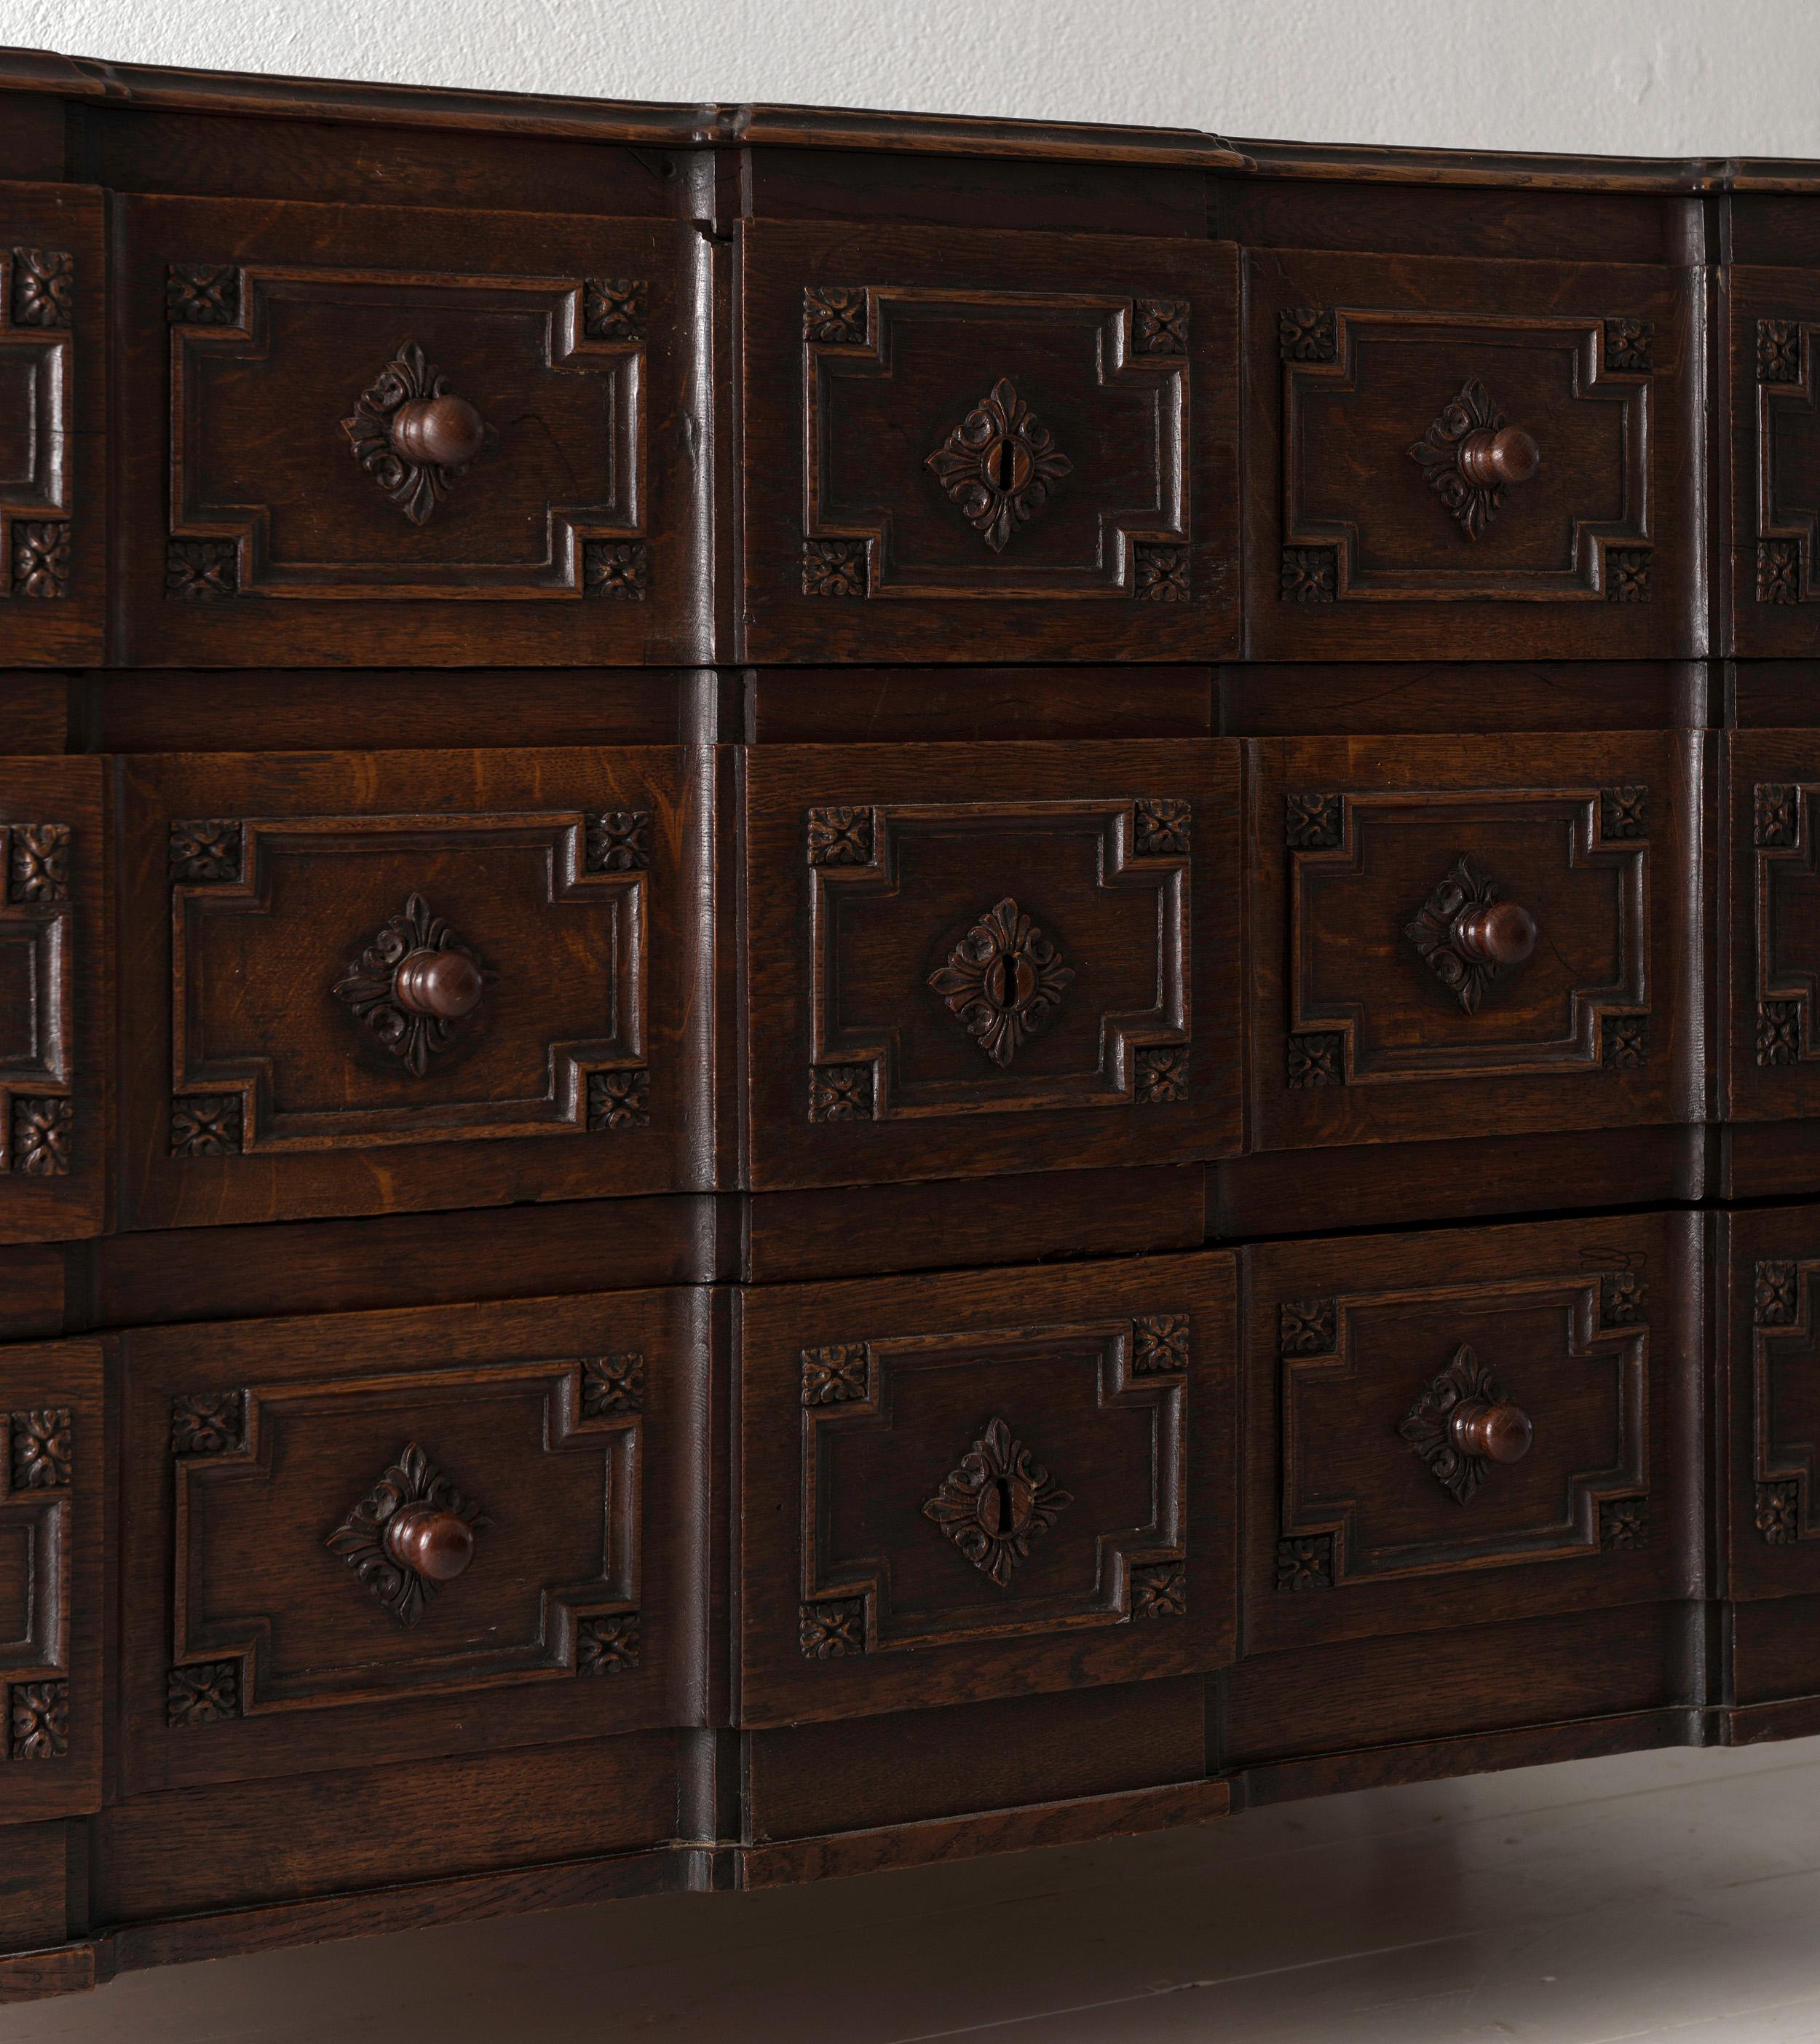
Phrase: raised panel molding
(37, 324)
(1785, 406)
(1783, 864)
(38, 1133)
(1784, 1401)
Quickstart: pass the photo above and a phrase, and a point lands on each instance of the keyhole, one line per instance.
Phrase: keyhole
(1001, 1491)
(1001, 468)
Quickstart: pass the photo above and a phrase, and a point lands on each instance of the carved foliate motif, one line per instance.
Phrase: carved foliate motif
(839, 1375)
(42, 1451)
(1778, 351)
(1778, 1512)
(834, 314)
(202, 570)
(38, 1721)
(834, 567)
(1159, 326)
(1431, 932)
(44, 289)
(41, 1135)
(38, 862)
(1623, 1522)
(1472, 505)
(1775, 1298)
(1306, 1327)
(840, 1093)
(416, 487)
(614, 308)
(210, 1124)
(1307, 333)
(612, 1384)
(1160, 1592)
(208, 1422)
(619, 841)
(1161, 828)
(1317, 1059)
(41, 558)
(841, 837)
(1627, 574)
(1776, 813)
(1623, 1041)
(1161, 1075)
(1778, 570)
(1630, 345)
(1427, 1426)
(207, 851)
(413, 1479)
(1313, 823)
(1310, 575)
(1623, 1300)
(369, 986)
(203, 1693)
(996, 1502)
(609, 1645)
(1159, 1344)
(1778, 1032)
(1003, 981)
(202, 295)
(618, 570)
(1306, 1563)
(1000, 466)
(1162, 573)
(833, 1629)
(619, 1099)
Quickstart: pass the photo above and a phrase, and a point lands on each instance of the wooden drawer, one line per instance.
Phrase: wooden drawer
(293, 513)
(1572, 1347)
(271, 1625)
(53, 386)
(1009, 445)
(1389, 1006)
(53, 1522)
(1776, 461)
(1385, 516)
(55, 983)
(958, 1487)
(964, 960)
(288, 1057)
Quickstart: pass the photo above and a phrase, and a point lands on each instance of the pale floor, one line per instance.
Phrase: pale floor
(1672, 1896)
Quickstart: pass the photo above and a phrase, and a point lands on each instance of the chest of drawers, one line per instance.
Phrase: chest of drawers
(875, 987)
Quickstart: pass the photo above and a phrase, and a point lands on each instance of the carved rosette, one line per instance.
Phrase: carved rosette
(1623, 1041)
(840, 1093)
(1624, 813)
(1778, 351)
(1307, 1327)
(618, 570)
(38, 862)
(1316, 1058)
(1310, 575)
(1307, 333)
(841, 837)
(203, 1693)
(835, 567)
(839, 1375)
(1427, 1426)
(369, 986)
(614, 308)
(38, 1721)
(619, 1100)
(210, 850)
(208, 1124)
(611, 1385)
(42, 1453)
(1162, 573)
(208, 1422)
(414, 1479)
(609, 1645)
(1159, 1345)
(1472, 505)
(1160, 1592)
(1159, 326)
(1313, 823)
(619, 841)
(1000, 466)
(202, 295)
(1776, 1293)
(996, 1502)
(44, 289)
(41, 1135)
(1432, 932)
(1623, 1300)
(1161, 1075)
(1629, 346)
(832, 1628)
(1306, 1563)
(202, 570)
(1003, 981)
(416, 487)
(834, 315)
(41, 556)
(1623, 1523)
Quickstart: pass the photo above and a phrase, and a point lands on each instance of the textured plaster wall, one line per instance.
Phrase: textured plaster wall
(1669, 77)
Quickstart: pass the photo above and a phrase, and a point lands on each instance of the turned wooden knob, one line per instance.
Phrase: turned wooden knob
(1495, 932)
(436, 1544)
(442, 983)
(447, 432)
(1500, 1433)
(1510, 454)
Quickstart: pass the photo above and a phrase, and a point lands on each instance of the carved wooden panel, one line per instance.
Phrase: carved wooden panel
(55, 1012)
(1454, 458)
(1008, 444)
(984, 1486)
(1491, 930)
(371, 410)
(1775, 461)
(1379, 1506)
(52, 1513)
(963, 962)
(53, 377)
(1775, 1061)
(274, 1623)
(471, 949)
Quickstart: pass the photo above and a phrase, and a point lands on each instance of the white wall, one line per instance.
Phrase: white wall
(1666, 77)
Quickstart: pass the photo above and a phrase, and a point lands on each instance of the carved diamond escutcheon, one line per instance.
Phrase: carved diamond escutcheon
(1000, 465)
(413, 1479)
(1428, 1426)
(38, 1721)
(997, 1502)
(368, 985)
(1431, 932)
(1472, 505)
(1004, 981)
(416, 487)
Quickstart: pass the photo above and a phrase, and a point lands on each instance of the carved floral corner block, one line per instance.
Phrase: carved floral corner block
(208, 1422)
(1306, 1563)
(1630, 345)
(836, 567)
(1310, 575)
(42, 1454)
(1776, 1293)
(838, 1375)
(1777, 812)
(44, 289)
(1162, 827)
(413, 1480)
(1313, 822)
(619, 1100)
(202, 295)
(41, 1135)
(417, 486)
(42, 556)
(1160, 1592)
(1778, 351)
(1003, 981)
(1159, 1344)
(841, 836)
(203, 1693)
(38, 862)
(619, 841)
(1307, 333)
(1428, 1425)
(996, 1502)
(615, 308)
(1307, 1327)
(1159, 326)
(1160, 1074)
(1778, 1032)
(1778, 1512)
(1623, 1300)
(613, 1384)
(1623, 1522)
(1624, 1042)
(1000, 466)
(618, 570)
(202, 570)
(38, 1721)
(1162, 573)
(1316, 1060)
(1627, 574)
(1473, 505)
(840, 1093)
(609, 1646)
(1780, 571)
(835, 315)
(207, 1124)
(369, 985)
(832, 1629)
(208, 851)
(1432, 931)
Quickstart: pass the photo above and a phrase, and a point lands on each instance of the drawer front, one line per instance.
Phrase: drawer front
(1010, 445)
(393, 437)
(382, 1536)
(53, 381)
(1451, 459)
(1773, 1403)
(1470, 936)
(1775, 961)
(965, 960)
(1457, 1434)
(404, 980)
(54, 995)
(955, 1487)
(1776, 461)
(51, 1530)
